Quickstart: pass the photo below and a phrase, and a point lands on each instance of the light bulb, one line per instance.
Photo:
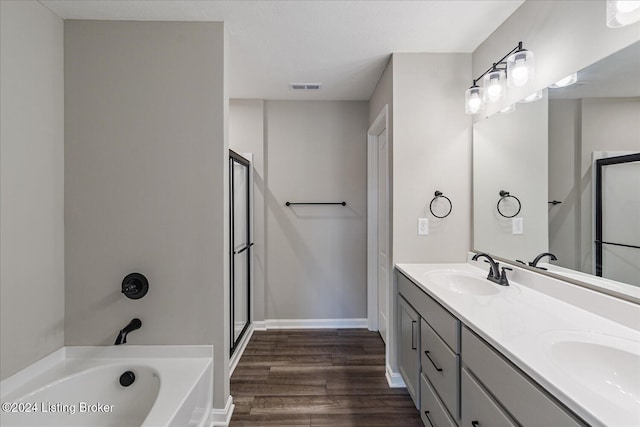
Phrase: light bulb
(626, 6)
(495, 90)
(473, 97)
(520, 68)
(474, 103)
(520, 73)
(494, 85)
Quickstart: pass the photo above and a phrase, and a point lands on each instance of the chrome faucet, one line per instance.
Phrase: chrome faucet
(494, 271)
(132, 326)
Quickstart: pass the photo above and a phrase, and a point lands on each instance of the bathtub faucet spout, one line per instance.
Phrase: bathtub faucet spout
(132, 326)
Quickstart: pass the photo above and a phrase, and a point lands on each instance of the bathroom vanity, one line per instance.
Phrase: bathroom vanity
(473, 353)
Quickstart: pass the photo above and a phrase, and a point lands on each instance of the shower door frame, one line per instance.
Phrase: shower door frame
(598, 241)
(235, 157)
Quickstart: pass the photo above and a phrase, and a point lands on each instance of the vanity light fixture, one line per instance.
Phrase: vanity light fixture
(533, 97)
(473, 99)
(520, 67)
(566, 81)
(622, 12)
(513, 69)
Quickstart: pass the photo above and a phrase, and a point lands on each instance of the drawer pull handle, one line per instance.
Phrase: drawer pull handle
(432, 362)
(475, 423)
(426, 413)
(413, 335)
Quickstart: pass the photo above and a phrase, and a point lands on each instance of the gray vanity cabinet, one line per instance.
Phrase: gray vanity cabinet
(409, 361)
(461, 380)
(526, 401)
(437, 373)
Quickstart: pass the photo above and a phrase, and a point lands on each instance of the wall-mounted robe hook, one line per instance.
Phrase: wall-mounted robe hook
(437, 195)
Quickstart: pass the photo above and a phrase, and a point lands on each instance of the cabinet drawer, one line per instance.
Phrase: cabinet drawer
(445, 325)
(526, 401)
(441, 366)
(478, 409)
(432, 412)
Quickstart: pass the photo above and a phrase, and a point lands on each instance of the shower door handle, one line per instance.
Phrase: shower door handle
(243, 249)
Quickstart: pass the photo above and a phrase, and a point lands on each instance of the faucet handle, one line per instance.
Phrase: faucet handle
(504, 281)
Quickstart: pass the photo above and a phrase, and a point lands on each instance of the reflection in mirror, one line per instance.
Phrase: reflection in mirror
(597, 117)
(510, 155)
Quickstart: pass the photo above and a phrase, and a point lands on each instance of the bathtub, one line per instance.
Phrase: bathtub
(80, 386)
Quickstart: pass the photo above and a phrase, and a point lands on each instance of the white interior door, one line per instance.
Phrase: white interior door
(383, 234)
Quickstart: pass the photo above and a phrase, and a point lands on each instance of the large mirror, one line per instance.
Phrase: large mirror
(562, 175)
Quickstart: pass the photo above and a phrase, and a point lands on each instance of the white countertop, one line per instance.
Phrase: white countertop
(524, 324)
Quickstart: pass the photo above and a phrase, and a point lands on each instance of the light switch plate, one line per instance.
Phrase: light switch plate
(423, 226)
(517, 226)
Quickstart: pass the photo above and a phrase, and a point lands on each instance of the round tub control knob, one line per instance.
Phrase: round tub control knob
(135, 286)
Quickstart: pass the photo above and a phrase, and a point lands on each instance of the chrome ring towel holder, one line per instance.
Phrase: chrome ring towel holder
(506, 195)
(438, 194)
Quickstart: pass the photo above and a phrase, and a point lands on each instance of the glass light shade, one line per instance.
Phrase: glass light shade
(473, 102)
(520, 68)
(567, 81)
(622, 12)
(510, 109)
(494, 85)
(533, 97)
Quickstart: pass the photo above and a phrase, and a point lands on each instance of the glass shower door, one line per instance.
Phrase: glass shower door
(617, 228)
(240, 246)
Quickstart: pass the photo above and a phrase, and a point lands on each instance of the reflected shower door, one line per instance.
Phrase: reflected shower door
(617, 242)
(240, 246)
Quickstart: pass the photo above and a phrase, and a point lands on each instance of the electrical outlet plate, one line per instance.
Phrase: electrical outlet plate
(517, 226)
(423, 226)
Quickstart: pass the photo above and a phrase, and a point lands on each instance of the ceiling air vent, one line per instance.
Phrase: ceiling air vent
(305, 86)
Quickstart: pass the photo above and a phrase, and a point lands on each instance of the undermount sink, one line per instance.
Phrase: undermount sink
(462, 282)
(607, 365)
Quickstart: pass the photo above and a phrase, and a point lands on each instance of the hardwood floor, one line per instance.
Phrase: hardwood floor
(317, 378)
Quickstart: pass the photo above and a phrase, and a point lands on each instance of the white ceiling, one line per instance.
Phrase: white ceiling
(344, 45)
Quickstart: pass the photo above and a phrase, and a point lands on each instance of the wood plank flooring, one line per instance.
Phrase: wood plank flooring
(324, 377)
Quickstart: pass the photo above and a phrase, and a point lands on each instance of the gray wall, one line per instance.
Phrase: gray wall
(565, 36)
(146, 184)
(309, 262)
(31, 184)
(431, 151)
(430, 139)
(316, 256)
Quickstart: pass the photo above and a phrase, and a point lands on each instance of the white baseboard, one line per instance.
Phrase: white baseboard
(222, 417)
(259, 325)
(237, 354)
(394, 378)
(315, 323)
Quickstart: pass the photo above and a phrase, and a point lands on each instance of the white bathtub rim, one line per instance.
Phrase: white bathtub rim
(124, 352)
(19, 384)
